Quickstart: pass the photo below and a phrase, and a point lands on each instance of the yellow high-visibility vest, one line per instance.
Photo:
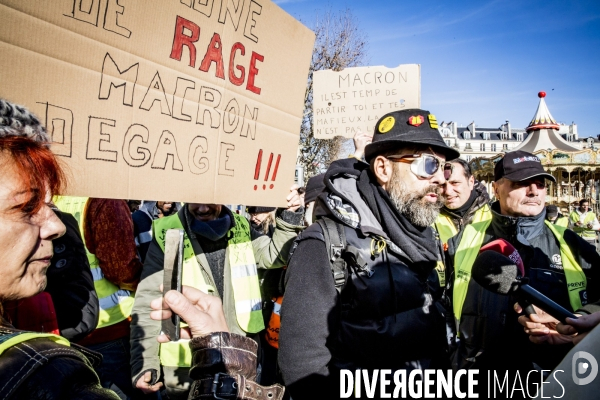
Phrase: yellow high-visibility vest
(244, 280)
(562, 221)
(8, 340)
(446, 229)
(467, 252)
(115, 303)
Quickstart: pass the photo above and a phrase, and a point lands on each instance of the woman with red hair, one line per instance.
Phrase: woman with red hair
(33, 365)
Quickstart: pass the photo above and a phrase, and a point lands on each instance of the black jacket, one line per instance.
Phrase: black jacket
(490, 336)
(392, 318)
(71, 285)
(41, 369)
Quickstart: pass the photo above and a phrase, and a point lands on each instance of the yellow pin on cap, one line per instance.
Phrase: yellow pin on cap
(432, 121)
(386, 124)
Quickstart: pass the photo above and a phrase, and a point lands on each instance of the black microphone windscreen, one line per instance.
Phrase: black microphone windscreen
(495, 272)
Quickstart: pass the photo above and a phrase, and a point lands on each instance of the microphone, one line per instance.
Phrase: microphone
(500, 274)
(503, 247)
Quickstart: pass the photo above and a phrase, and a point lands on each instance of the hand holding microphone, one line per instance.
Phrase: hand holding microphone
(499, 268)
(543, 327)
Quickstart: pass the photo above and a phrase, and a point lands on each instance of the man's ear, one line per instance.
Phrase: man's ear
(471, 182)
(495, 188)
(382, 169)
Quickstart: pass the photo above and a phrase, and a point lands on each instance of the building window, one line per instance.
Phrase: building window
(482, 146)
(447, 142)
(493, 147)
(505, 146)
(468, 158)
(468, 147)
(504, 136)
(466, 135)
(486, 135)
(520, 136)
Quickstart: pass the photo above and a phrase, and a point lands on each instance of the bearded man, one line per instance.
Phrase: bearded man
(386, 309)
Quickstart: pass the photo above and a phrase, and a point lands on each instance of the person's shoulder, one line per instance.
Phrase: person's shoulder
(55, 363)
(581, 247)
(571, 238)
(139, 217)
(314, 231)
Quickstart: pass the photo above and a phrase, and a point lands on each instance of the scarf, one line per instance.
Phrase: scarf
(212, 230)
(416, 242)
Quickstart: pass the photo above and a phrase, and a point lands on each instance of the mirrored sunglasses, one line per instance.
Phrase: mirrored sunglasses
(424, 165)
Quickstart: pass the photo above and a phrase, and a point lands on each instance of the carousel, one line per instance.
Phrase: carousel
(577, 171)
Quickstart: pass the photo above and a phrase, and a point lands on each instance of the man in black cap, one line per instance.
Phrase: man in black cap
(557, 262)
(553, 215)
(384, 309)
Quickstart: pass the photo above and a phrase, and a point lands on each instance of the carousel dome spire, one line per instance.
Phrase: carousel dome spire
(542, 119)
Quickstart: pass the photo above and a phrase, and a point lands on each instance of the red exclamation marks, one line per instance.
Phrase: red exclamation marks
(275, 171)
(257, 169)
(268, 170)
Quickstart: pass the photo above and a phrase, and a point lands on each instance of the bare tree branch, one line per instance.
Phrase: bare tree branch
(339, 44)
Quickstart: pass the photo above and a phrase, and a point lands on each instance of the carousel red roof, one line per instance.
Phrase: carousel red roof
(542, 119)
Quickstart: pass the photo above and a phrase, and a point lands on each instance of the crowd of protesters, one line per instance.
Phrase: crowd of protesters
(367, 267)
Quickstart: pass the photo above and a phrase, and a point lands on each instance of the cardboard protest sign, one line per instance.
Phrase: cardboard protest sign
(183, 100)
(352, 100)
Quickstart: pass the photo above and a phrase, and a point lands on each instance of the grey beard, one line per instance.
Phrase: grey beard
(411, 204)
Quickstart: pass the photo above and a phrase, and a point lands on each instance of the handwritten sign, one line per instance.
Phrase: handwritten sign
(352, 100)
(179, 100)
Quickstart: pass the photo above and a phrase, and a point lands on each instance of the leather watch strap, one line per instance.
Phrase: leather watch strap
(222, 386)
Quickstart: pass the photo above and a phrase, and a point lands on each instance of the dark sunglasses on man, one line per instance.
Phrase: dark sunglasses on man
(424, 165)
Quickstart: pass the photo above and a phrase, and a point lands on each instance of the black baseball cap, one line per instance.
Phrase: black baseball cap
(551, 211)
(401, 128)
(518, 166)
(259, 210)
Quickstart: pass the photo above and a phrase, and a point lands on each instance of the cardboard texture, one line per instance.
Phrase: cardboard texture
(352, 100)
(180, 100)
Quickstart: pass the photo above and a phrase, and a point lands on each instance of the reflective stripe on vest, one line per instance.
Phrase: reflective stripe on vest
(244, 280)
(8, 340)
(115, 304)
(582, 230)
(446, 228)
(467, 252)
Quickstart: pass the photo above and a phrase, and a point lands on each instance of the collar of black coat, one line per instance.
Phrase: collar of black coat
(353, 197)
(523, 229)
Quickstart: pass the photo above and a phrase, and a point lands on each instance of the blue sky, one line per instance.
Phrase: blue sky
(485, 61)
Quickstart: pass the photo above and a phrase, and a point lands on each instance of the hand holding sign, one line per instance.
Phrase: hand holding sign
(294, 201)
(361, 140)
